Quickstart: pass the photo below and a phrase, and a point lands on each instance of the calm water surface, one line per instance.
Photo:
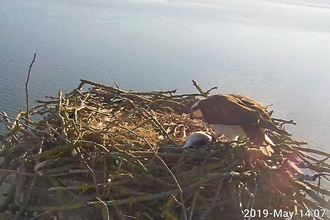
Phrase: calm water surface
(277, 52)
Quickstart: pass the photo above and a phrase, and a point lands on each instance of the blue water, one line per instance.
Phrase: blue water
(276, 52)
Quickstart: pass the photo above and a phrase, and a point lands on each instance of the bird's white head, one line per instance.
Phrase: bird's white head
(195, 111)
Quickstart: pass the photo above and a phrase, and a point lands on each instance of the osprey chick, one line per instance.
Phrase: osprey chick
(198, 139)
(237, 116)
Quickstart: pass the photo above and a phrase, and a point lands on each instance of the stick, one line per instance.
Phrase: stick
(27, 200)
(137, 199)
(201, 91)
(16, 172)
(171, 173)
(195, 83)
(105, 210)
(161, 127)
(282, 121)
(310, 150)
(216, 197)
(26, 86)
(193, 203)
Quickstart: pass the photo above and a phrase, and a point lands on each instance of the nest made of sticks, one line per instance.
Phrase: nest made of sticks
(108, 153)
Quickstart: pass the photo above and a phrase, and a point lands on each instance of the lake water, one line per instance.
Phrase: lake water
(276, 52)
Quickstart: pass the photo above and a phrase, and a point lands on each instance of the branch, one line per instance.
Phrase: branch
(216, 197)
(26, 87)
(16, 172)
(27, 200)
(282, 122)
(170, 172)
(201, 91)
(105, 210)
(143, 198)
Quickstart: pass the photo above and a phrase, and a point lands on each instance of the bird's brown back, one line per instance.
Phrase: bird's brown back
(232, 109)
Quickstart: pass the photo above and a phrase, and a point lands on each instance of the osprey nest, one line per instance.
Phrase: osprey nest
(108, 153)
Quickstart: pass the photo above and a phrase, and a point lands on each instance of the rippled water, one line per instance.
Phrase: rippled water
(277, 52)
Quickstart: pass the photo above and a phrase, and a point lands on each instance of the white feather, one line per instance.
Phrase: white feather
(269, 141)
(232, 132)
(194, 106)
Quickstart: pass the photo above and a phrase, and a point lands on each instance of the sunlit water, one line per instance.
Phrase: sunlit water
(276, 52)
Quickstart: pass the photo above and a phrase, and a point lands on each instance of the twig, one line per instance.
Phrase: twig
(312, 194)
(6, 120)
(240, 203)
(160, 127)
(83, 143)
(27, 199)
(195, 83)
(310, 150)
(77, 187)
(105, 210)
(216, 197)
(40, 215)
(201, 91)
(254, 196)
(9, 200)
(26, 88)
(13, 165)
(116, 84)
(143, 198)
(193, 203)
(84, 81)
(93, 176)
(169, 170)
(213, 88)
(19, 182)
(284, 121)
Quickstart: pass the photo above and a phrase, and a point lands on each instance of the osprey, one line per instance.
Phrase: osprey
(237, 116)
